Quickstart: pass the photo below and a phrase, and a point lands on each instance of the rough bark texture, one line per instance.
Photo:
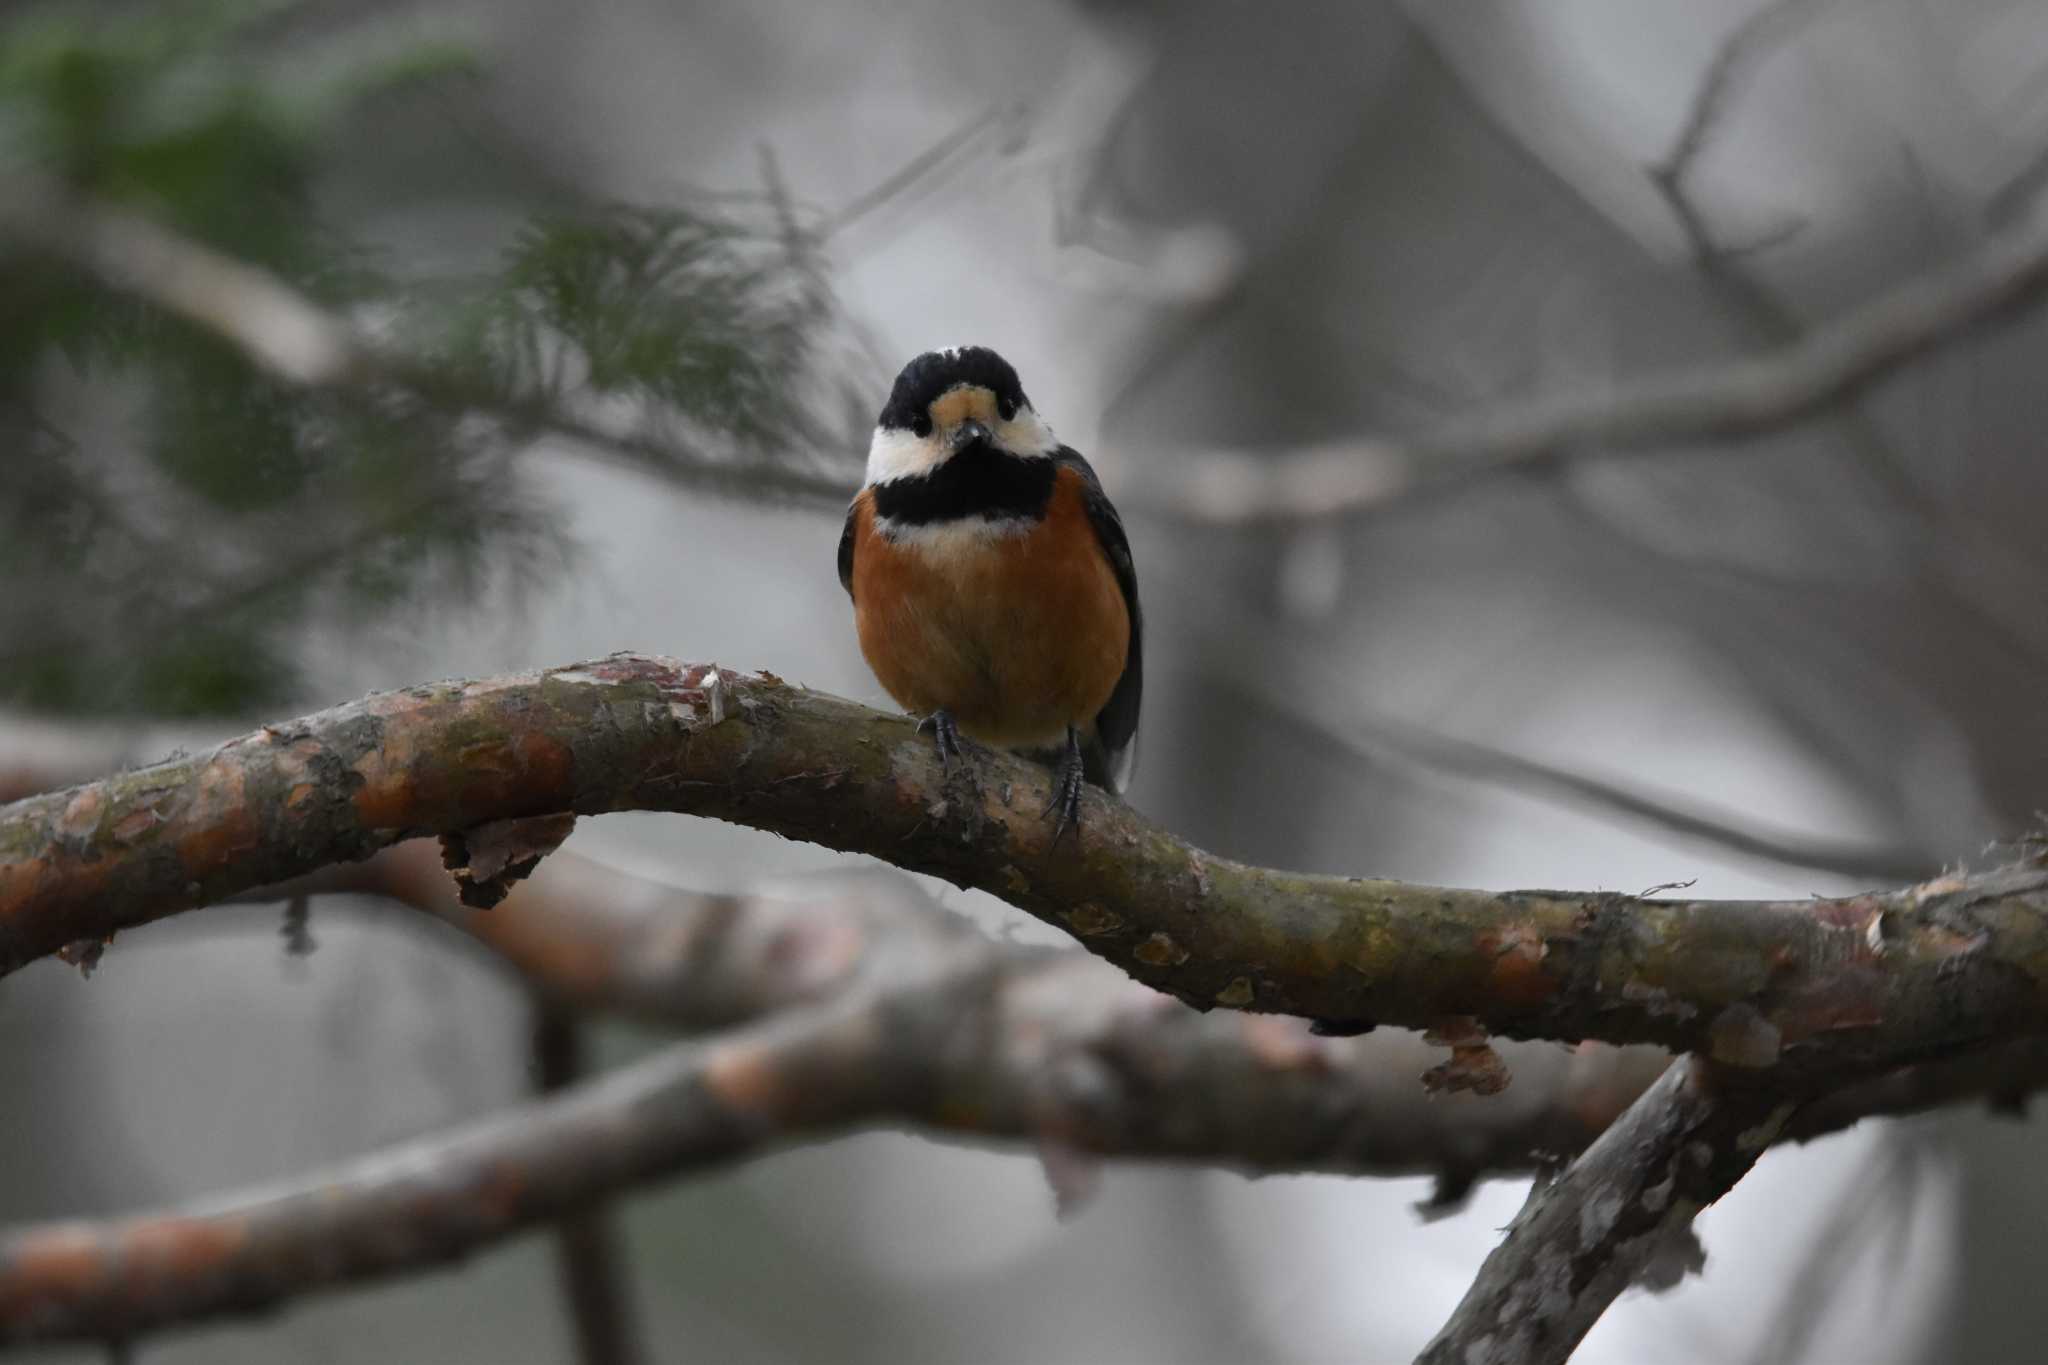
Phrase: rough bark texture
(1588, 1235)
(944, 1029)
(1893, 977)
(1253, 1091)
(985, 1039)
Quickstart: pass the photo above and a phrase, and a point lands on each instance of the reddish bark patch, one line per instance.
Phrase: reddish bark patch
(1853, 914)
(135, 824)
(631, 668)
(500, 1191)
(219, 825)
(676, 681)
(544, 762)
(1283, 1044)
(815, 952)
(550, 947)
(49, 1269)
(405, 785)
(81, 815)
(1847, 997)
(1518, 976)
(1473, 1064)
(66, 879)
(745, 1078)
(177, 1249)
(386, 799)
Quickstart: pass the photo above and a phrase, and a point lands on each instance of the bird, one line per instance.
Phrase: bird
(992, 584)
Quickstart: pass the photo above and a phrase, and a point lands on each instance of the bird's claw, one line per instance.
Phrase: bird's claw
(1067, 782)
(945, 733)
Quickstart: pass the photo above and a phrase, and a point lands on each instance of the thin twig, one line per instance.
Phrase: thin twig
(1375, 737)
(1767, 317)
(1754, 40)
(594, 1282)
(924, 165)
(1730, 402)
(287, 333)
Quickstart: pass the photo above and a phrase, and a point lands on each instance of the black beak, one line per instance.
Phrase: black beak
(970, 434)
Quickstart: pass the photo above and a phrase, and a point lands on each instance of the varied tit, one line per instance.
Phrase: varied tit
(991, 580)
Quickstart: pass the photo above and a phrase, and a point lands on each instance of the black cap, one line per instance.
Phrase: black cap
(934, 372)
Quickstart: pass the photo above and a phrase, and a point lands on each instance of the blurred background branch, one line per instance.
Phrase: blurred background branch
(586, 1242)
(638, 276)
(879, 1008)
(1736, 401)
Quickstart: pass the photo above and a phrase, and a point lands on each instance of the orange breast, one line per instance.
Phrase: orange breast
(1019, 635)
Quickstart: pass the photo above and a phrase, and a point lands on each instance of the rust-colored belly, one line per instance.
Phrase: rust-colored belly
(1018, 635)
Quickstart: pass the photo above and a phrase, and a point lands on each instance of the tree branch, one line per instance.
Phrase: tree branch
(1755, 39)
(1161, 1080)
(951, 1031)
(435, 1200)
(989, 1040)
(982, 1038)
(1587, 1236)
(594, 1283)
(1890, 978)
(1735, 401)
(588, 936)
(282, 330)
(1375, 738)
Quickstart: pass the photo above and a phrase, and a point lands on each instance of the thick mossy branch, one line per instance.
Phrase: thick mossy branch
(1874, 978)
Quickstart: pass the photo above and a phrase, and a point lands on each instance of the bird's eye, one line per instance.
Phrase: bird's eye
(921, 426)
(1007, 408)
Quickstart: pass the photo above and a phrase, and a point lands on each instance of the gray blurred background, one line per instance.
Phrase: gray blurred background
(1214, 225)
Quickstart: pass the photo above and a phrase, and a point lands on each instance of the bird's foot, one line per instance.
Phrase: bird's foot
(945, 733)
(1067, 781)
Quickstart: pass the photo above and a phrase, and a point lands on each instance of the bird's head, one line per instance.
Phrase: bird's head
(961, 403)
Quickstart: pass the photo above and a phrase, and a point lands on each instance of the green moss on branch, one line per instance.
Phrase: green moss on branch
(1880, 977)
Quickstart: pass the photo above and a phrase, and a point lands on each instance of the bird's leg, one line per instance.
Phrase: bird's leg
(1067, 781)
(945, 733)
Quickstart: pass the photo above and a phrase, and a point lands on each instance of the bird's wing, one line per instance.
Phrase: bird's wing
(1116, 725)
(846, 547)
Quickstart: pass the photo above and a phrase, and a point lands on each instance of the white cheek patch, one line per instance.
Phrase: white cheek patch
(898, 454)
(1026, 434)
(895, 453)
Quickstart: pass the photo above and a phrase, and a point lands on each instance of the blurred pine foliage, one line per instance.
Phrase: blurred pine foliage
(173, 518)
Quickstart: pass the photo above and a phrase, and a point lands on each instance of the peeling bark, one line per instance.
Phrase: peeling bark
(1893, 977)
(942, 1028)
(1604, 1223)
